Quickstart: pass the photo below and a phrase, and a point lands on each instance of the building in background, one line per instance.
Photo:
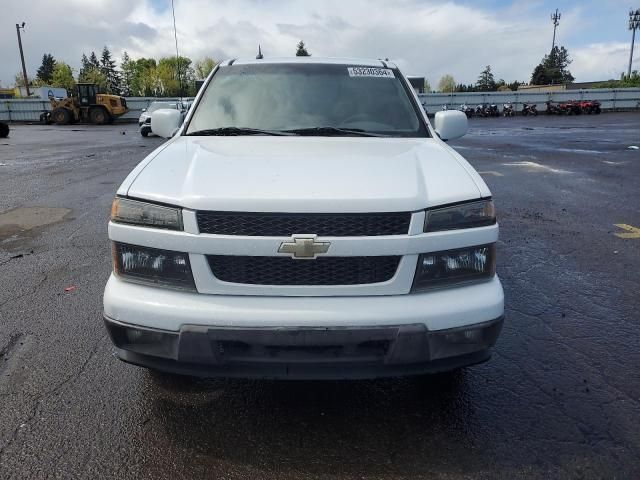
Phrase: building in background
(417, 83)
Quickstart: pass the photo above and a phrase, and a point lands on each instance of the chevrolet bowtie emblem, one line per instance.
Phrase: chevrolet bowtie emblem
(304, 247)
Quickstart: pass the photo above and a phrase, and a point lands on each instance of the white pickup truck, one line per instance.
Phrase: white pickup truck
(304, 221)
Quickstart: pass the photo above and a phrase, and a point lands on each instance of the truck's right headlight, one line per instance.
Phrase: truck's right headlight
(462, 265)
(135, 212)
(478, 213)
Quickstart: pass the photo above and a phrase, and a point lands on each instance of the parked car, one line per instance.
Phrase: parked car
(305, 221)
(144, 121)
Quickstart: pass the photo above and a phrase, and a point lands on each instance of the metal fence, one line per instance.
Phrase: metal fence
(611, 98)
(23, 110)
(28, 110)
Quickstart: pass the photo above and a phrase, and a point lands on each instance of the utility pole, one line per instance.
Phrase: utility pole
(555, 18)
(634, 24)
(175, 35)
(24, 68)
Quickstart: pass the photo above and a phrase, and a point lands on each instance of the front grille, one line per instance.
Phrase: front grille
(287, 224)
(287, 271)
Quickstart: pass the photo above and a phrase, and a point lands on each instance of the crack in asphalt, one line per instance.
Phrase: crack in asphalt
(41, 397)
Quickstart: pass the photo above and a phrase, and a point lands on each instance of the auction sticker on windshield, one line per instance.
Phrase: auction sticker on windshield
(370, 72)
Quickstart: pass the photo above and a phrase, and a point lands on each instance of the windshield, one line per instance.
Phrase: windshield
(158, 105)
(301, 98)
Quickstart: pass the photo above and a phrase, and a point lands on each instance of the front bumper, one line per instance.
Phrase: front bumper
(303, 337)
(303, 352)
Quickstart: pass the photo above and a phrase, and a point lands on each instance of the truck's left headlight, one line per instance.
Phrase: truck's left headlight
(152, 266)
(135, 212)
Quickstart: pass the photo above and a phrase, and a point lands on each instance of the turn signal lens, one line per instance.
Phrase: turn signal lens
(465, 215)
(455, 266)
(134, 212)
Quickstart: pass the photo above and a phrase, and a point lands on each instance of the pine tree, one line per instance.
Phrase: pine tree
(302, 50)
(553, 69)
(108, 69)
(128, 73)
(90, 72)
(486, 82)
(45, 72)
(93, 60)
(84, 68)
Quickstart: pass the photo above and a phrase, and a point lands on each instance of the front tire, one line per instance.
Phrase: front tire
(98, 116)
(61, 116)
(144, 132)
(4, 130)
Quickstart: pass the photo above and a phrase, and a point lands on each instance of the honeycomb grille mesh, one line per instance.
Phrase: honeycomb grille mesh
(287, 224)
(287, 271)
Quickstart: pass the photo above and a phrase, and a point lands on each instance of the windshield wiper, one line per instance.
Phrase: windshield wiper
(333, 132)
(235, 131)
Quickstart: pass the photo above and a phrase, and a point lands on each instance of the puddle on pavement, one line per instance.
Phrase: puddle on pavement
(24, 219)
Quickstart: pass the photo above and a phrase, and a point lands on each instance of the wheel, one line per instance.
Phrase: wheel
(60, 116)
(99, 116)
(597, 110)
(4, 130)
(144, 132)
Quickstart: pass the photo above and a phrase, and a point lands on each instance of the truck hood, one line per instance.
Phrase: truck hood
(304, 174)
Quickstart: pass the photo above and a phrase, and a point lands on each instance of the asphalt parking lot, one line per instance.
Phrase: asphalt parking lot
(559, 399)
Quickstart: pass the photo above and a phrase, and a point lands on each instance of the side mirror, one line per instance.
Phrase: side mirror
(451, 124)
(165, 122)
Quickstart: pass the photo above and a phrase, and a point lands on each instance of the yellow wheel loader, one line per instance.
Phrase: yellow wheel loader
(87, 106)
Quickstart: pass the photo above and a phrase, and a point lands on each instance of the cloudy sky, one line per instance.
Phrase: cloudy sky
(424, 37)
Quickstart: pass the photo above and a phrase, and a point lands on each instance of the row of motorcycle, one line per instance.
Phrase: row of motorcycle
(492, 110)
(574, 107)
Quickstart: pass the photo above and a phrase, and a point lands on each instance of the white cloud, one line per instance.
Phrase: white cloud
(425, 38)
(602, 61)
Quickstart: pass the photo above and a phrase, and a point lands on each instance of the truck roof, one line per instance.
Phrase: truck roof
(317, 60)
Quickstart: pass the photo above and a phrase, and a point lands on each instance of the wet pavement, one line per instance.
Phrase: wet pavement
(559, 399)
